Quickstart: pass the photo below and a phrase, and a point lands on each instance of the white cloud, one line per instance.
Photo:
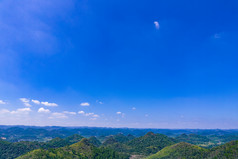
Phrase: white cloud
(85, 104)
(25, 101)
(120, 113)
(157, 26)
(89, 114)
(2, 102)
(93, 115)
(27, 104)
(98, 101)
(70, 113)
(4, 111)
(49, 104)
(133, 108)
(43, 110)
(81, 112)
(18, 111)
(35, 101)
(96, 116)
(58, 115)
(21, 111)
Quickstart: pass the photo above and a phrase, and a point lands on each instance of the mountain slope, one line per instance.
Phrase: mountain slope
(192, 139)
(93, 140)
(180, 151)
(150, 143)
(59, 142)
(81, 150)
(10, 150)
(226, 151)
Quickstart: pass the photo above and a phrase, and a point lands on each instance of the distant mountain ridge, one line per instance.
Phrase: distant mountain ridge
(119, 146)
(188, 151)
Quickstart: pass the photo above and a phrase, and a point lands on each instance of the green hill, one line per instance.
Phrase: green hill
(59, 142)
(9, 150)
(81, 150)
(93, 140)
(188, 151)
(192, 139)
(150, 143)
(119, 138)
(226, 151)
(180, 151)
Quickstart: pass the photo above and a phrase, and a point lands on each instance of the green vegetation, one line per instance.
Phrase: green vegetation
(226, 151)
(181, 150)
(181, 144)
(193, 139)
(150, 143)
(93, 140)
(12, 150)
(58, 142)
(81, 150)
(188, 151)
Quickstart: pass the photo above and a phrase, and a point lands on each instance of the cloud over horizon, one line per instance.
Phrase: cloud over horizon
(35, 101)
(43, 110)
(86, 104)
(2, 102)
(49, 104)
(25, 101)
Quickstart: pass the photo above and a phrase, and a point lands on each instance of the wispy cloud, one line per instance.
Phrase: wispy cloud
(25, 101)
(43, 110)
(86, 104)
(95, 116)
(133, 108)
(81, 112)
(91, 115)
(24, 19)
(35, 101)
(58, 115)
(18, 111)
(21, 111)
(49, 104)
(121, 114)
(98, 101)
(70, 113)
(4, 111)
(217, 35)
(157, 26)
(2, 102)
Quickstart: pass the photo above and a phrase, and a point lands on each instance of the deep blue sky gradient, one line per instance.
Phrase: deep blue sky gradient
(182, 75)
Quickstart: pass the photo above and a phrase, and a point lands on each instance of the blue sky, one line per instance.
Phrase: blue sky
(120, 63)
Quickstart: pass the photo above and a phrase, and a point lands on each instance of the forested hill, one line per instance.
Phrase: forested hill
(81, 150)
(181, 150)
(122, 146)
(9, 150)
(188, 151)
